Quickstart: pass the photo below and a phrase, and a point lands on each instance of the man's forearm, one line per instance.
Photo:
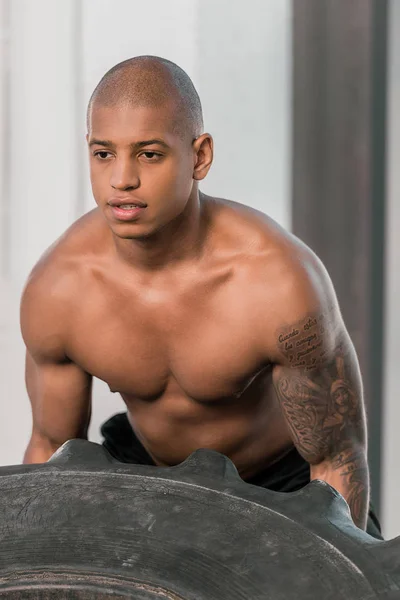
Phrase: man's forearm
(39, 451)
(348, 473)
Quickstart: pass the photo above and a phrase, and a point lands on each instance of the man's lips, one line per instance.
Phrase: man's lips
(115, 202)
(126, 209)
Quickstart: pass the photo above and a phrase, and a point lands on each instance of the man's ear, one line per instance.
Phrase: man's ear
(203, 151)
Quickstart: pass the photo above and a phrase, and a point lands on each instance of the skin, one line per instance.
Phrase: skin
(218, 328)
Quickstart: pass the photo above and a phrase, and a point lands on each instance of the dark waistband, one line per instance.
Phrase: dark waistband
(288, 474)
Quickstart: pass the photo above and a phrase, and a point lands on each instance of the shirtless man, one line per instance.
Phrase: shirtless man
(218, 328)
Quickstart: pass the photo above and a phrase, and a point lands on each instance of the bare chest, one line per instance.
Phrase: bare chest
(199, 340)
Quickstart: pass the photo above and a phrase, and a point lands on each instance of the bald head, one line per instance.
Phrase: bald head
(151, 82)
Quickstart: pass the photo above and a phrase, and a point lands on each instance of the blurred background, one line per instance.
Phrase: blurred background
(301, 98)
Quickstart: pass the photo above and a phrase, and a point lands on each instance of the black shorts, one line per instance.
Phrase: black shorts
(289, 474)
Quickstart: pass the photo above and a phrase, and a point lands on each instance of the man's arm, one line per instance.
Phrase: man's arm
(59, 390)
(317, 380)
(60, 395)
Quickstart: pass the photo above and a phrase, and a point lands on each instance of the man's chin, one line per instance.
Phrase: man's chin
(132, 231)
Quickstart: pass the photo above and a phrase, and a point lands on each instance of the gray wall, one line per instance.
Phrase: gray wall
(53, 54)
(339, 101)
(391, 414)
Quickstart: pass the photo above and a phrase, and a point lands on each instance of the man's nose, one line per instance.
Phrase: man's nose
(124, 175)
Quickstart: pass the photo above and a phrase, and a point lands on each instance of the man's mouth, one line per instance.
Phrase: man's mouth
(127, 206)
(126, 211)
(126, 203)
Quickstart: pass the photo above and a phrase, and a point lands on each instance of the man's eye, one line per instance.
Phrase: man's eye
(102, 154)
(153, 156)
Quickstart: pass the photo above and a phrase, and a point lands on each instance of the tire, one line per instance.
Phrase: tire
(83, 526)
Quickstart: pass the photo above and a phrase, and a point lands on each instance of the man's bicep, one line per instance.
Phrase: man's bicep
(60, 395)
(318, 383)
(59, 390)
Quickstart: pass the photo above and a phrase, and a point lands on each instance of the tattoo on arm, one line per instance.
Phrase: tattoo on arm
(319, 388)
(353, 470)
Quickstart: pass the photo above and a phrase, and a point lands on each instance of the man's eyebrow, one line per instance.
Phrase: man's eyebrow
(109, 144)
(149, 143)
(95, 142)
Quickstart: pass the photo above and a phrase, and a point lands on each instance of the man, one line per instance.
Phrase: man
(218, 328)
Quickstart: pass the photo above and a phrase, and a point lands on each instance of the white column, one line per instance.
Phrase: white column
(244, 58)
(39, 171)
(44, 175)
(4, 134)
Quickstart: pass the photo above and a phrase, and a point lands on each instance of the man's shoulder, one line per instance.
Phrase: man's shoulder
(266, 245)
(63, 258)
(55, 279)
(279, 271)
(286, 285)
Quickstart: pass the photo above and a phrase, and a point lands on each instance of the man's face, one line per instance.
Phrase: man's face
(137, 158)
(341, 398)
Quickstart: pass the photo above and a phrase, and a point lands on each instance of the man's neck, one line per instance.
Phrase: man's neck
(179, 241)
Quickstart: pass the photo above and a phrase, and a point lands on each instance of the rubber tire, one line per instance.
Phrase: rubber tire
(87, 527)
